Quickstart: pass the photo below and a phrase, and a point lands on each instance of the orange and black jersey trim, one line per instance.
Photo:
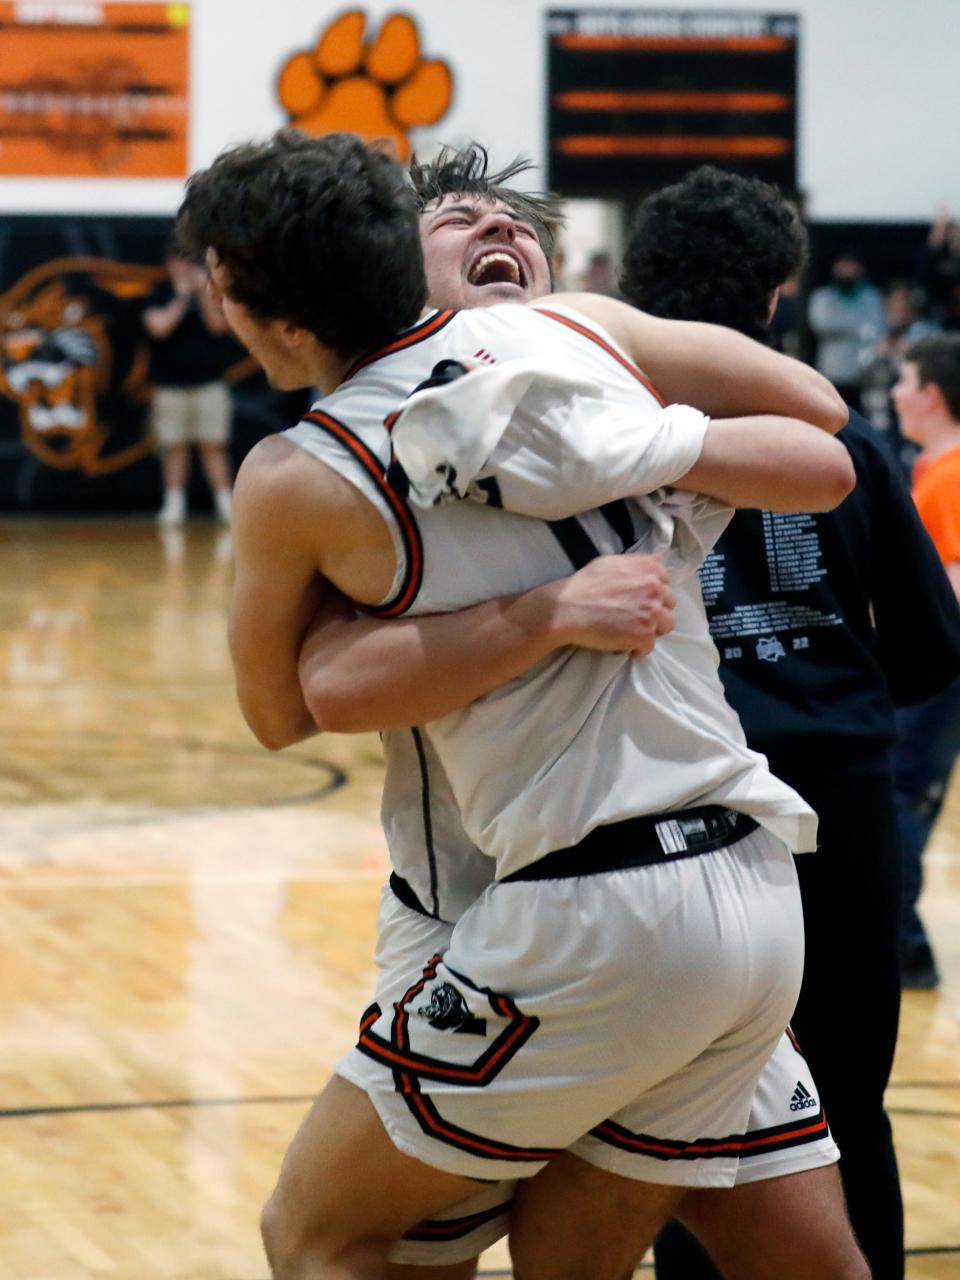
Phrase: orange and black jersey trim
(793, 1133)
(435, 1126)
(756, 1142)
(409, 531)
(409, 1068)
(397, 1053)
(586, 332)
(456, 1228)
(419, 333)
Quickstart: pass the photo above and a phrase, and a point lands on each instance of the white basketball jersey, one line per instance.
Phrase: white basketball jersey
(583, 738)
(428, 846)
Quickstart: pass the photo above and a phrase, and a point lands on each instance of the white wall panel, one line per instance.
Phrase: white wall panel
(878, 110)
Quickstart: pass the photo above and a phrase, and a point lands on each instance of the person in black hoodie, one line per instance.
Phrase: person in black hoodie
(824, 623)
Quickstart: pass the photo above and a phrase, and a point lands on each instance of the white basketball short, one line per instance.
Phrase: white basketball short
(406, 939)
(625, 1016)
(786, 1131)
(191, 415)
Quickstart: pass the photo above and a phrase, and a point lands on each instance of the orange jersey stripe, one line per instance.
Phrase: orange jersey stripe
(408, 526)
(729, 1146)
(369, 1018)
(630, 367)
(433, 324)
(468, 1075)
(460, 1138)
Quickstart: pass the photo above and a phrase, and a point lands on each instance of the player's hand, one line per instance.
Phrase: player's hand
(617, 603)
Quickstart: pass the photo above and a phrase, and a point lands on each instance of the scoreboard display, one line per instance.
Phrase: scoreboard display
(638, 97)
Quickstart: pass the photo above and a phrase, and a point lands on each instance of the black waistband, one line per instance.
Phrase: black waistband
(639, 842)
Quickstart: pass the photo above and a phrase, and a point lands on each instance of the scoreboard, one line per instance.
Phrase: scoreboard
(638, 97)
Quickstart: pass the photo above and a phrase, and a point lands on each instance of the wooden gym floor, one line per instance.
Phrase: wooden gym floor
(187, 928)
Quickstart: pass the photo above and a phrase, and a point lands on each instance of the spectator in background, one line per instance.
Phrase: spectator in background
(822, 623)
(938, 270)
(847, 317)
(558, 271)
(600, 276)
(190, 352)
(905, 325)
(787, 323)
(927, 397)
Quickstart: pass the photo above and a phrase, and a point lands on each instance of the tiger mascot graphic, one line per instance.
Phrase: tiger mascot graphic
(74, 358)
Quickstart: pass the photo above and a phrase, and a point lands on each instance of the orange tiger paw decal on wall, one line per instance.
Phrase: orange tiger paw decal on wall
(377, 88)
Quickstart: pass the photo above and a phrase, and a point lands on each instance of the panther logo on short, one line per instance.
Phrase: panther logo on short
(378, 88)
(448, 1011)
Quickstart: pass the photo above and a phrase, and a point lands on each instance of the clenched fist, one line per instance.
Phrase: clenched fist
(616, 603)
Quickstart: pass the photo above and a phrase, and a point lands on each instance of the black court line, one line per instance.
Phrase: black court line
(160, 1104)
(922, 1111)
(335, 776)
(169, 1104)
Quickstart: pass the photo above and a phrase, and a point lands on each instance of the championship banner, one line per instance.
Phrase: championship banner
(93, 89)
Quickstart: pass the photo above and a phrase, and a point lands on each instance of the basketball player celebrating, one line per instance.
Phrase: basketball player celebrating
(472, 224)
(580, 1053)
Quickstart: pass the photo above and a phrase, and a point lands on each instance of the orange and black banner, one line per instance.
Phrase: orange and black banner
(91, 89)
(638, 97)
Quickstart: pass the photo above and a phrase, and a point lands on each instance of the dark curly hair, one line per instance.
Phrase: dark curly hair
(713, 247)
(464, 173)
(321, 232)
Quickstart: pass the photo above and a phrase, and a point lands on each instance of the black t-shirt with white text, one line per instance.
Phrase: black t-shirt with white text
(824, 622)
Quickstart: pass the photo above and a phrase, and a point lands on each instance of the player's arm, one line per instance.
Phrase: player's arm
(277, 591)
(777, 464)
(567, 453)
(297, 526)
(359, 674)
(722, 372)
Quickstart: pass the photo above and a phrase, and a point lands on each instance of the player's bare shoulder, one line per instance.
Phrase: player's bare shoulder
(622, 322)
(270, 484)
(287, 499)
(269, 461)
(280, 483)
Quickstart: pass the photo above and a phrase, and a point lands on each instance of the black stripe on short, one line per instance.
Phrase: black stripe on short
(475, 1144)
(795, 1133)
(456, 1228)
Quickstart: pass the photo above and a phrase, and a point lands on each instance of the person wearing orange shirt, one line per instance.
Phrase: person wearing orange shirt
(927, 398)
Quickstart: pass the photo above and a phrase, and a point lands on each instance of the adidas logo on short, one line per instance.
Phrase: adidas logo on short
(802, 1099)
